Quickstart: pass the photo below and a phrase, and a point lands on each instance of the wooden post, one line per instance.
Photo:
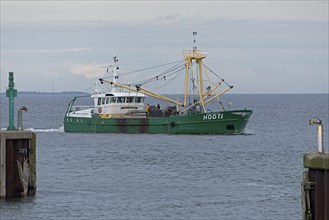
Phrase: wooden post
(17, 163)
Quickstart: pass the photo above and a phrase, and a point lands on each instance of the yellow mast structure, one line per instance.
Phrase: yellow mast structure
(189, 56)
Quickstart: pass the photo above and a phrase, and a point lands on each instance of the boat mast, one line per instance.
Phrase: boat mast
(187, 64)
(187, 71)
(189, 56)
(115, 67)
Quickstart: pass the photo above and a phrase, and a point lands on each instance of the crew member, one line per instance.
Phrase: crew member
(147, 109)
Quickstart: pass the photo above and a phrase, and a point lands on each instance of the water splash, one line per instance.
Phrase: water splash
(46, 130)
(247, 132)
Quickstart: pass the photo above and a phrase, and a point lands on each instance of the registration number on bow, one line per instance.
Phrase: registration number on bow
(213, 116)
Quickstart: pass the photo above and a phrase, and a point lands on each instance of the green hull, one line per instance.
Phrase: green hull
(225, 122)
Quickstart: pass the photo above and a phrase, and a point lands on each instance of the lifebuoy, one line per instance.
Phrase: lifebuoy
(99, 110)
(172, 124)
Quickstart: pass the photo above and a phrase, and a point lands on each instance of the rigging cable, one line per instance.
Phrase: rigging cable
(134, 71)
(168, 71)
(217, 75)
(170, 80)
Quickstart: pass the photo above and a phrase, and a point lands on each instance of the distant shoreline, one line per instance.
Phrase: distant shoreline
(49, 93)
(77, 93)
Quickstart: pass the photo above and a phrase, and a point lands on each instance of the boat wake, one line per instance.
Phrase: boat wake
(47, 130)
(247, 132)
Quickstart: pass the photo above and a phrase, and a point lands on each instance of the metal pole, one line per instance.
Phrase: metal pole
(11, 92)
(20, 118)
(318, 122)
(320, 138)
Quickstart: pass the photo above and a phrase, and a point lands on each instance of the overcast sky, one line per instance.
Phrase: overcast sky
(257, 46)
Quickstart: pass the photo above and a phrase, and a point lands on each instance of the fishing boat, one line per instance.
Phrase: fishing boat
(122, 108)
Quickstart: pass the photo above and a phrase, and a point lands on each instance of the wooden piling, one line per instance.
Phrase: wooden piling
(17, 163)
(315, 187)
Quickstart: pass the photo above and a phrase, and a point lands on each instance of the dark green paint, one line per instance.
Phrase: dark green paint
(230, 123)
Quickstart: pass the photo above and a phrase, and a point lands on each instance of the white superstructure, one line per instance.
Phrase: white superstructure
(114, 101)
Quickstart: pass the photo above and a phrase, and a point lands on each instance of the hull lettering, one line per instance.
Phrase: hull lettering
(213, 116)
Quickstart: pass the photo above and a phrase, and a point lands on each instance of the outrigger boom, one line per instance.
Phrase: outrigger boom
(142, 90)
(155, 95)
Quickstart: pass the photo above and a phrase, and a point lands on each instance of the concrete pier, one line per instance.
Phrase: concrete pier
(17, 163)
(315, 187)
(315, 183)
(17, 154)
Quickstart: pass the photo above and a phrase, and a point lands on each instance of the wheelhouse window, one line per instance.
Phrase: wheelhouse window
(99, 101)
(130, 99)
(113, 100)
(121, 99)
(139, 99)
(107, 100)
(103, 101)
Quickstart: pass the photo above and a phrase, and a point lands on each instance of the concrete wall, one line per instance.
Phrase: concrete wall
(17, 163)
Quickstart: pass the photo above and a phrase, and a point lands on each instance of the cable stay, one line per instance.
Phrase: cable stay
(216, 75)
(166, 73)
(148, 68)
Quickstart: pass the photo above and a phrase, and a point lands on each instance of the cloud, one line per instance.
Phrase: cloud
(139, 11)
(90, 71)
(175, 18)
(58, 50)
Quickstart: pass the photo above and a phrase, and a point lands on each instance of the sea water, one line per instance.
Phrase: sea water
(256, 175)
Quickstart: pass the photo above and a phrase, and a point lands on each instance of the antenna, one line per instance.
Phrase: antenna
(194, 40)
(114, 68)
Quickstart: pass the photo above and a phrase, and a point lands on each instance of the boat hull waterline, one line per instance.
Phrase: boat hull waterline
(223, 122)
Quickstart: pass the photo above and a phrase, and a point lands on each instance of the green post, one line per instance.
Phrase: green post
(11, 92)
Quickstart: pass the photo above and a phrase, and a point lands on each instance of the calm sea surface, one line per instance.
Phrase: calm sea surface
(122, 176)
